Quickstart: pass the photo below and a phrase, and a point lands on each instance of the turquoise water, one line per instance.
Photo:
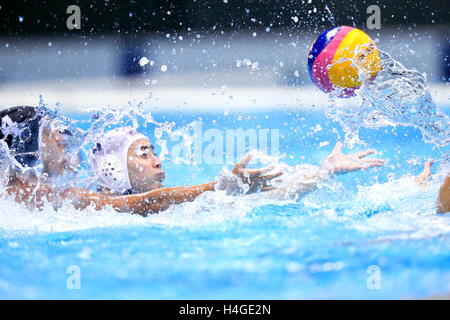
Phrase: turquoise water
(320, 246)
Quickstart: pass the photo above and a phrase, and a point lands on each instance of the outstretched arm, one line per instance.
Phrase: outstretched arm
(160, 199)
(308, 178)
(37, 195)
(143, 203)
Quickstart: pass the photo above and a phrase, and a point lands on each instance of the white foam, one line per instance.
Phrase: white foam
(210, 207)
(412, 213)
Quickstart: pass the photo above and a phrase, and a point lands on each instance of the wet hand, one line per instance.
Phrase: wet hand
(257, 179)
(338, 162)
(425, 174)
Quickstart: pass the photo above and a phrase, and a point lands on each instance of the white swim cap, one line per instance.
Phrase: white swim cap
(110, 158)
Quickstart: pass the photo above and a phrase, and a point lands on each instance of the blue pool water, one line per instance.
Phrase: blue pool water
(323, 245)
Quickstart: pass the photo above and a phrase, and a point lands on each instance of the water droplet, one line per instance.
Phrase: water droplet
(143, 61)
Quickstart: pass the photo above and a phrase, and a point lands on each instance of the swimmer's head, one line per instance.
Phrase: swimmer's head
(31, 136)
(19, 128)
(56, 144)
(125, 162)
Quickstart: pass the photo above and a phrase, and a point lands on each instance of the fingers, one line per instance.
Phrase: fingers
(266, 169)
(372, 163)
(427, 168)
(427, 165)
(270, 188)
(272, 176)
(258, 172)
(380, 161)
(365, 153)
(426, 173)
(244, 161)
(337, 148)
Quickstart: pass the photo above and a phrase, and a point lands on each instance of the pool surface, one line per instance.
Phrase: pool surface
(370, 234)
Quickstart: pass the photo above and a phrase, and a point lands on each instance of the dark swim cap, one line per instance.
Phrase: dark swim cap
(19, 128)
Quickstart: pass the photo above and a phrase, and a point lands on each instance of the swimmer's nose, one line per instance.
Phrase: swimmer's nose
(156, 163)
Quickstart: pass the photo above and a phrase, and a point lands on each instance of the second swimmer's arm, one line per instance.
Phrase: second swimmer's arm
(307, 179)
(300, 182)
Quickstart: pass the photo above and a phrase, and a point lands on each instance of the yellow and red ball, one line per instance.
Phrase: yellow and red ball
(340, 58)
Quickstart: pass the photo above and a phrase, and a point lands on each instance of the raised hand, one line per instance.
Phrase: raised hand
(426, 173)
(255, 178)
(337, 162)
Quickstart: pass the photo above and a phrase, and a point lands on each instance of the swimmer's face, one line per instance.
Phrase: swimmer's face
(144, 167)
(54, 154)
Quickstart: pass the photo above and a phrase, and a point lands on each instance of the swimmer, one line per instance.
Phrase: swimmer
(47, 144)
(130, 175)
(30, 135)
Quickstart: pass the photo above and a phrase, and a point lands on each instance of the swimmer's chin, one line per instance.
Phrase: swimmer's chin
(159, 181)
(158, 185)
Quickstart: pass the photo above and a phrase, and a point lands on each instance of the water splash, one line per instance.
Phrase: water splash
(85, 133)
(397, 96)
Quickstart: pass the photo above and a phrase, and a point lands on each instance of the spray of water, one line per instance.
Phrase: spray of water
(397, 96)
